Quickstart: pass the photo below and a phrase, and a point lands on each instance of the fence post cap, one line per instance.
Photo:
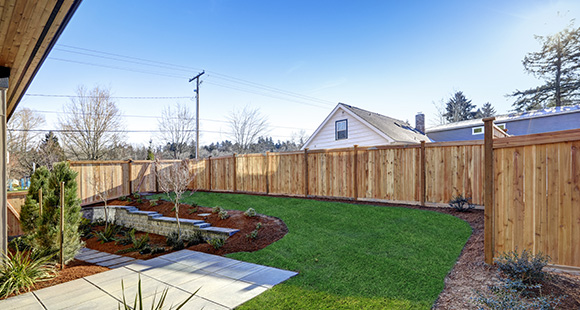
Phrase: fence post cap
(487, 119)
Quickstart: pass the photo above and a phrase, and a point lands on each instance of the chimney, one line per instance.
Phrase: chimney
(420, 122)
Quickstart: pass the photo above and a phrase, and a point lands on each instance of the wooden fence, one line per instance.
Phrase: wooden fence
(535, 203)
(426, 173)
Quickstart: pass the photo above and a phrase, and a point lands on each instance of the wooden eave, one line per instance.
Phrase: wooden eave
(28, 31)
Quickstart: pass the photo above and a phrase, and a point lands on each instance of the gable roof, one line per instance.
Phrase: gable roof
(397, 130)
(393, 130)
(515, 116)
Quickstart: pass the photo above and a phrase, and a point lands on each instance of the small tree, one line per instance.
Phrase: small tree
(459, 108)
(174, 178)
(43, 233)
(246, 126)
(101, 183)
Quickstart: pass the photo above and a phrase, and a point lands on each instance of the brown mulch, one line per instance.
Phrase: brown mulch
(273, 229)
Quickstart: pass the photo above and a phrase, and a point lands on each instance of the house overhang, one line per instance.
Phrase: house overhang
(28, 31)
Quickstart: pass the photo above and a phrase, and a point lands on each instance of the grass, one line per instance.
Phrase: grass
(351, 256)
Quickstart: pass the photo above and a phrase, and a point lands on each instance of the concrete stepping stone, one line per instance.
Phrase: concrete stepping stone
(103, 258)
(228, 231)
(116, 261)
(204, 214)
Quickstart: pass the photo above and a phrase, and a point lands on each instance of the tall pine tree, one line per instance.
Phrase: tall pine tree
(459, 108)
(558, 64)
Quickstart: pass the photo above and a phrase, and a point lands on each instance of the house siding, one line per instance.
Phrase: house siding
(514, 127)
(358, 133)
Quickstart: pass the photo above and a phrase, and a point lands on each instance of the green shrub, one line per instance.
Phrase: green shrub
(44, 233)
(139, 244)
(153, 202)
(136, 195)
(525, 267)
(217, 242)
(461, 204)
(138, 302)
(193, 210)
(124, 198)
(85, 227)
(19, 271)
(510, 295)
(223, 214)
(194, 239)
(109, 233)
(216, 209)
(254, 233)
(250, 212)
(175, 241)
(139, 200)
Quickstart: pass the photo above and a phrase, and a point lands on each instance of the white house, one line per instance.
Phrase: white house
(347, 126)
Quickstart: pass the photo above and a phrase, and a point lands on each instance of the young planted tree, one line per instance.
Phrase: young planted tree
(102, 183)
(174, 179)
(43, 229)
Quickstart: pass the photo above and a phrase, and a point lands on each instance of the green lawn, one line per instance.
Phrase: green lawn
(351, 256)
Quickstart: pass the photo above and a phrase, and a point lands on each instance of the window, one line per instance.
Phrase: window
(341, 129)
(479, 130)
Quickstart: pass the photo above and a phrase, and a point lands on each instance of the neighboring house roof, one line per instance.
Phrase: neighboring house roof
(508, 118)
(391, 129)
(397, 130)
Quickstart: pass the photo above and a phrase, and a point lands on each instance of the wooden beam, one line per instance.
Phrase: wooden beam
(355, 173)
(130, 173)
(488, 187)
(306, 172)
(422, 168)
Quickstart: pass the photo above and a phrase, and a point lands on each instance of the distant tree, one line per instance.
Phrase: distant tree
(439, 118)
(91, 124)
(49, 151)
(487, 110)
(458, 108)
(177, 129)
(150, 154)
(22, 139)
(558, 64)
(246, 126)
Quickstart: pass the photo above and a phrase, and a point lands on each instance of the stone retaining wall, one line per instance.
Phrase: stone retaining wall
(153, 222)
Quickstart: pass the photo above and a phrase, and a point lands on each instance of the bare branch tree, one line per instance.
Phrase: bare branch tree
(439, 118)
(174, 179)
(177, 129)
(91, 124)
(102, 183)
(22, 140)
(246, 126)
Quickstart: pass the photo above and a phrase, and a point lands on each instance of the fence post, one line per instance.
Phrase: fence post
(306, 172)
(130, 173)
(355, 173)
(422, 190)
(40, 201)
(156, 175)
(235, 172)
(61, 225)
(488, 199)
(209, 174)
(267, 173)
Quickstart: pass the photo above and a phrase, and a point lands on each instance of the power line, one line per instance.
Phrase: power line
(113, 97)
(170, 66)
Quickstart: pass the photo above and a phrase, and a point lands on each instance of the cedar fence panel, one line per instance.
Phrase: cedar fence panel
(115, 173)
(222, 173)
(537, 197)
(251, 173)
(331, 173)
(286, 173)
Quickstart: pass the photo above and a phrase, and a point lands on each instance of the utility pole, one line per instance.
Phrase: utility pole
(197, 112)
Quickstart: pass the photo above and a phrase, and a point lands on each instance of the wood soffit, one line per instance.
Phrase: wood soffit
(28, 31)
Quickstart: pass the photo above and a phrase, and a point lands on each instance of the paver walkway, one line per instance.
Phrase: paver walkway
(223, 283)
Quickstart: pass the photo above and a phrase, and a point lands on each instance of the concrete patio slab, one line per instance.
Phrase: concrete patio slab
(221, 283)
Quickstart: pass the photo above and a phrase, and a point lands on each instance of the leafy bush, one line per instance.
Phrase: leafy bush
(217, 242)
(138, 302)
(136, 195)
(153, 202)
(123, 198)
(20, 243)
(175, 241)
(509, 295)
(19, 271)
(193, 210)
(525, 267)
(195, 238)
(139, 200)
(216, 209)
(85, 227)
(109, 233)
(461, 204)
(254, 233)
(223, 214)
(139, 244)
(250, 212)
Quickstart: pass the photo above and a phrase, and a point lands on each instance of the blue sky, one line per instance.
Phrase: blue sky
(391, 57)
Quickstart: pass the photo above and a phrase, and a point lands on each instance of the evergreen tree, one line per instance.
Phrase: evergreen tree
(458, 108)
(45, 230)
(558, 64)
(49, 151)
(150, 155)
(29, 214)
(487, 110)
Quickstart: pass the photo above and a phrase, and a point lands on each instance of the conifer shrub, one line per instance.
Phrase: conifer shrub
(43, 229)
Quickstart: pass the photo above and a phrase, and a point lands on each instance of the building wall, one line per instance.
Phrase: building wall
(514, 127)
(358, 134)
